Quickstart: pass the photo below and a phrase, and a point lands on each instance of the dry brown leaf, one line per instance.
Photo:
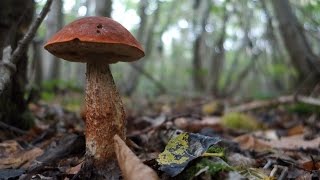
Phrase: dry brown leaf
(252, 143)
(9, 147)
(75, 169)
(20, 159)
(295, 142)
(131, 166)
(299, 129)
(287, 143)
(311, 165)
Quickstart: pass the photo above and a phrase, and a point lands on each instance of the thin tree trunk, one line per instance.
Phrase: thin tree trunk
(103, 8)
(276, 50)
(37, 71)
(132, 79)
(246, 42)
(302, 57)
(197, 69)
(54, 23)
(243, 74)
(218, 56)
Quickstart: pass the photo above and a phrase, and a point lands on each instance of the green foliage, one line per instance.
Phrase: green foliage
(302, 108)
(50, 88)
(47, 96)
(263, 96)
(237, 120)
(211, 166)
(57, 84)
(218, 149)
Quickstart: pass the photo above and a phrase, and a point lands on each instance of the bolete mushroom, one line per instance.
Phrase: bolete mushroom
(98, 41)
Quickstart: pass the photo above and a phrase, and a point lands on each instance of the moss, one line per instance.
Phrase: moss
(212, 166)
(237, 120)
(218, 149)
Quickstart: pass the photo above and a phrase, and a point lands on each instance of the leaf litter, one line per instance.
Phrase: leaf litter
(188, 140)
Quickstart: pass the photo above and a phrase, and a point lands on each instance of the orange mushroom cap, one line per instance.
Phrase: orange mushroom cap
(95, 39)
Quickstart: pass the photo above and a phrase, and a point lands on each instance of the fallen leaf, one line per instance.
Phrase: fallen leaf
(131, 166)
(311, 165)
(20, 159)
(75, 169)
(299, 129)
(286, 143)
(182, 149)
(249, 142)
(213, 107)
(9, 147)
(237, 159)
(295, 142)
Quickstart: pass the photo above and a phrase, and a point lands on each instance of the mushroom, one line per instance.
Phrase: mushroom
(98, 41)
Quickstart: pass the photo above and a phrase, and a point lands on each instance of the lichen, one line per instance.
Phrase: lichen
(175, 150)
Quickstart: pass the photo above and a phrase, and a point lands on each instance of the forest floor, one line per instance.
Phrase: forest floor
(197, 138)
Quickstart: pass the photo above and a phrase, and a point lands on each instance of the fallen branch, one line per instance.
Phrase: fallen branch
(12, 128)
(274, 102)
(8, 63)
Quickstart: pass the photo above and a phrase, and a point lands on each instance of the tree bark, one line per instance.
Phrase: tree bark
(103, 8)
(298, 48)
(197, 69)
(15, 17)
(218, 56)
(53, 24)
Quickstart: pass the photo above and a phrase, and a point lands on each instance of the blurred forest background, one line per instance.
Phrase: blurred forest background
(194, 48)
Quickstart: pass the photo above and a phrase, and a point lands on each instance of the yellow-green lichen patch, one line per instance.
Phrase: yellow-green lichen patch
(182, 149)
(175, 150)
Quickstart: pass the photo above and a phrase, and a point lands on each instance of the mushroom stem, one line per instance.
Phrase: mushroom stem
(105, 114)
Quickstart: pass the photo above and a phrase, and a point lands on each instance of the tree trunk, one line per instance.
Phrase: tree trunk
(198, 82)
(197, 69)
(132, 79)
(103, 8)
(302, 57)
(218, 56)
(36, 45)
(15, 17)
(53, 24)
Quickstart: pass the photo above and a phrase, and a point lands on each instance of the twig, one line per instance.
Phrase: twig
(11, 128)
(308, 100)
(262, 104)
(7, 66)
(283, 174)
(274, 102)
(160, 125)
(268, 164)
